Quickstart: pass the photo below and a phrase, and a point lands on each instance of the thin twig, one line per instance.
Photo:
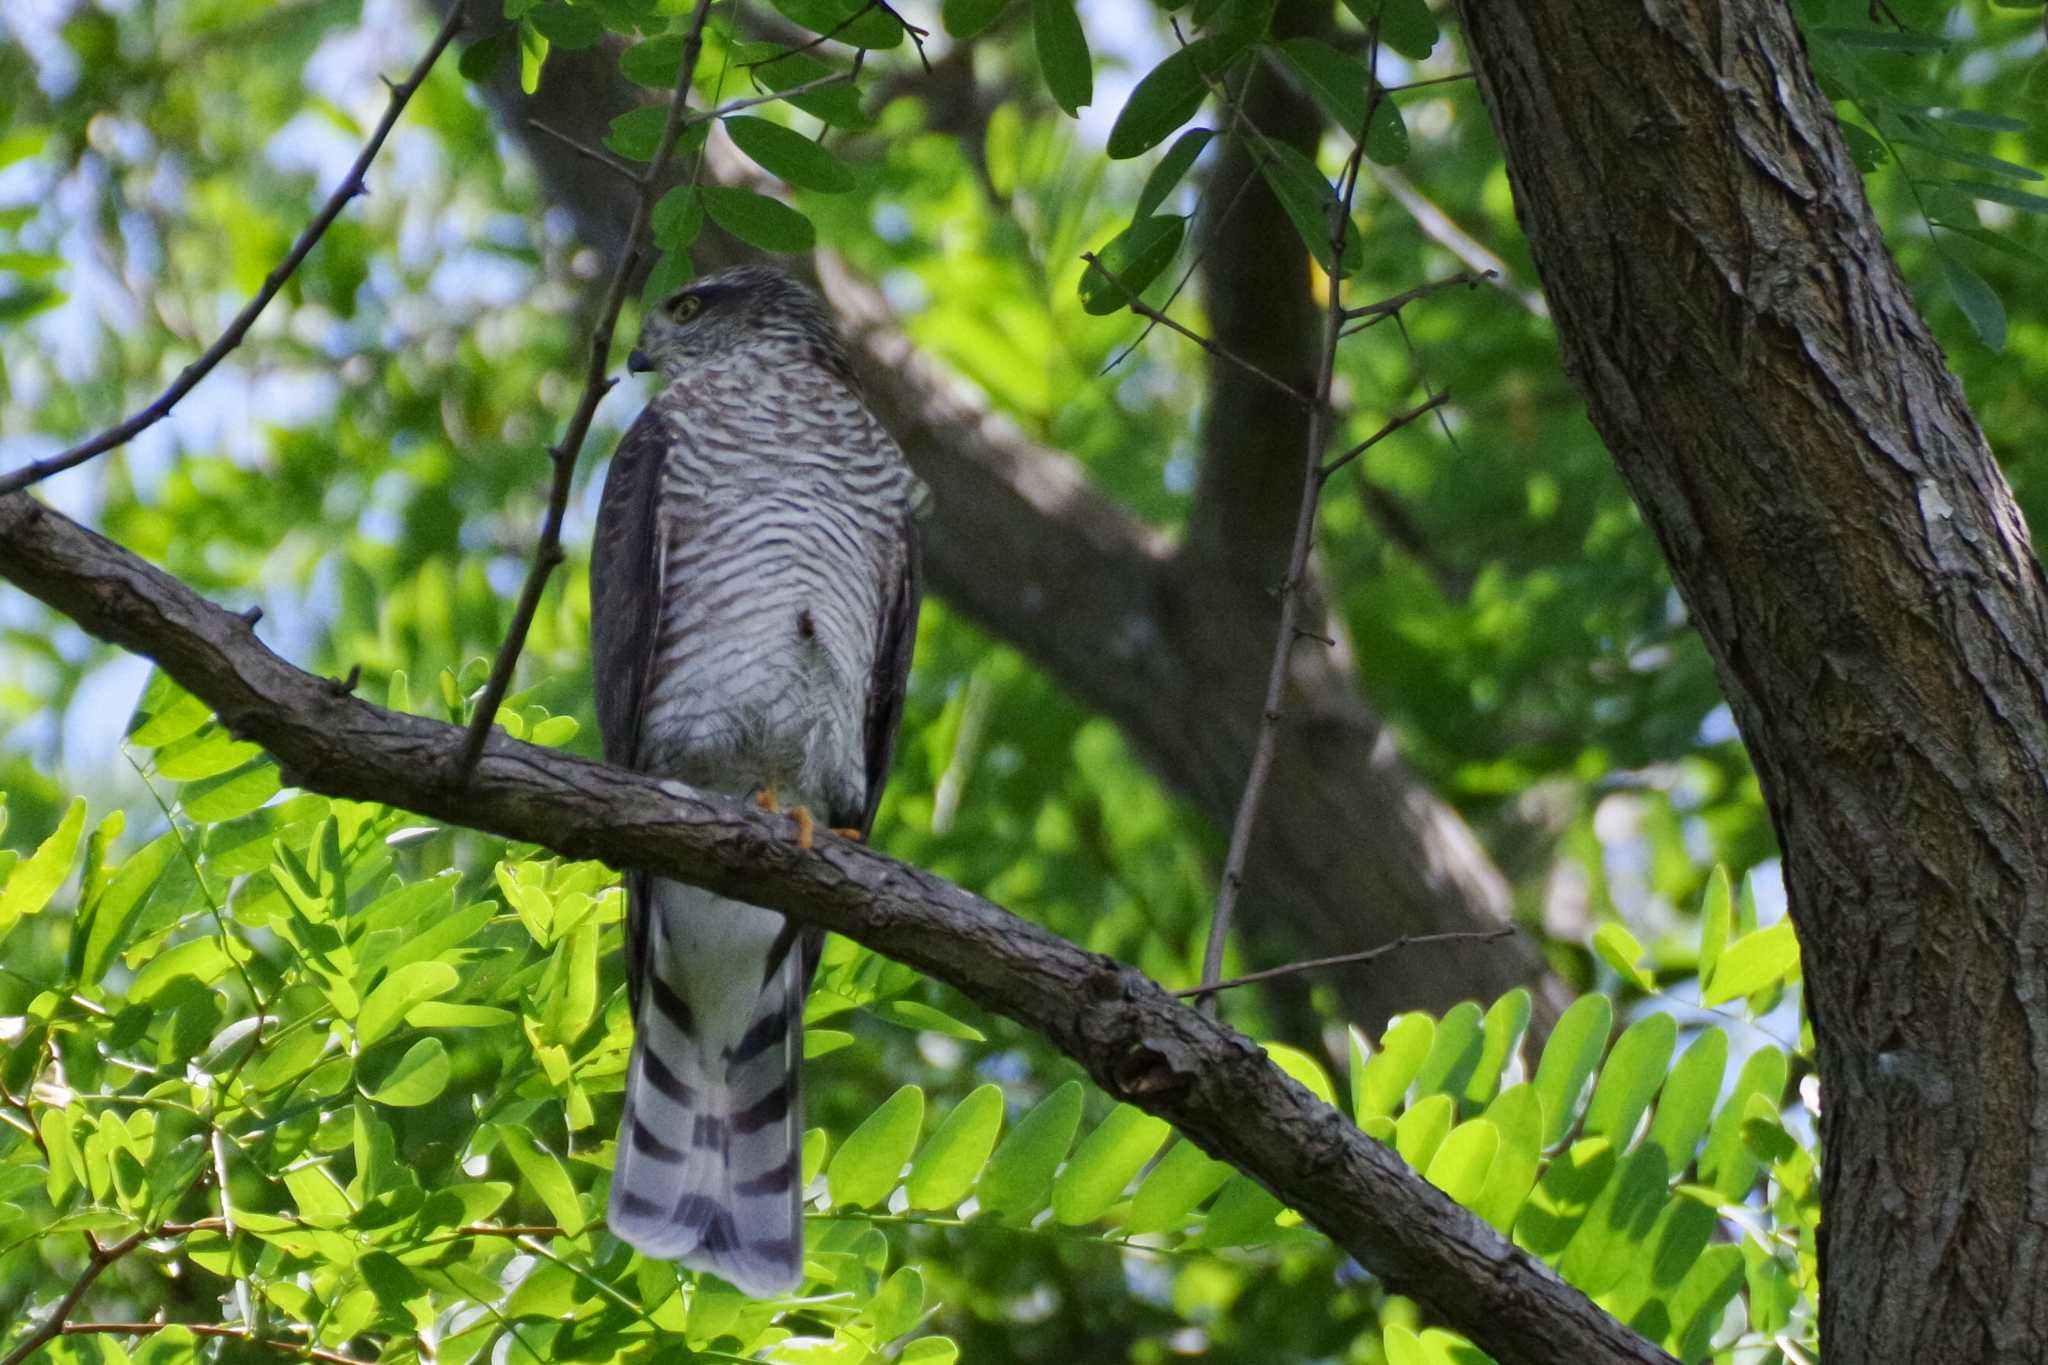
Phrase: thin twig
(1221, 352)
(351, 186)
(207, 1329)
(1267, 743)
(786, 93)
(548, 553)
(99, 1259)
(1387, 307)
(584, 150)
(1393, 424)
(1433, 80)
(1347, 959)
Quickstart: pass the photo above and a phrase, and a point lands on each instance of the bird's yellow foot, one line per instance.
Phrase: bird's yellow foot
(855, 835)
(806, 823)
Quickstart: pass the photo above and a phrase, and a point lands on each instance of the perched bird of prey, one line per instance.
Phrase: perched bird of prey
(754, 590)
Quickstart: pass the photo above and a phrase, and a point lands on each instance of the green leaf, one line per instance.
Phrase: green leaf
(758, 220)
(669, 274)
(104, 932)
(1454, 1055)
(1303, 1068)
(215, 799)
(1018, 1180)
(1423, 1127)
(1170, 1191)
(1727, 1165)
(1998, 194)
(1310, 203)
(779, 69)
(1406, 26)
(1517, 1116)
(402, 989)
(1402, 1050)
(914, 1014)
(420, 1076)
(1619, 949)
(1963, 156)
(1342, 86)
(677, 219)
(636, 134)
(1752, 963)
(866, 1166)
(654, 62)
(1696, 1305)
(1978, 302)
(1104, 1163)
(1978, 118)
(1633, 1072)
(29, 887)
(1717, 919)
(1612, 1236)
(1063, 54)
(441, 1014)
(1242, 1215)
(542, 1169)
(1568, 1059)
(1686, 1104)
(929, 1351)
(897, 1308)
(1171, 170)
(1506, 1020)
(1166, 98)
(1997, 241)
(952, 1158)
(533, 54)
(788, 155)
(206, 753)
(1462, 1160)
(566, 26)
(166, 712)
(1560, 1201)
(965, 18)
(1129, 262)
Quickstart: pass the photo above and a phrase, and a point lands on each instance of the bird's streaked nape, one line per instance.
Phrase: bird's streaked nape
(754, 595)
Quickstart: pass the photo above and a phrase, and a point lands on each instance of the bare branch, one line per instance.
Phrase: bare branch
(584, 150)
(1385, 308)
(1232, 880)
(1316, 964)
(1134, 1039)
(1392, 425)
(1146, 310)
(548, 552)
(351, 185)
(98, 1259)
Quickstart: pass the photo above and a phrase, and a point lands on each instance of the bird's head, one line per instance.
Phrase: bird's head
(750, 308)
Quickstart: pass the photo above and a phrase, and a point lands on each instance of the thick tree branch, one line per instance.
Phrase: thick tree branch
(1855, 562)
(309, 237)
(1138, 1042)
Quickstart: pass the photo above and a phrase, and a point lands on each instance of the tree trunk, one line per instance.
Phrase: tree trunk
(1870, 596)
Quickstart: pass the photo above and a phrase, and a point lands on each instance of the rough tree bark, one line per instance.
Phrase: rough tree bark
(1139, 1043)
(1170, 642)
(1853, 557)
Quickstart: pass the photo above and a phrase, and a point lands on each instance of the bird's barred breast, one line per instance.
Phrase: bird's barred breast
(778, 516)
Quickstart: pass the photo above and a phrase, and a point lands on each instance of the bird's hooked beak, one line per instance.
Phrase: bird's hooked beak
(637, 362)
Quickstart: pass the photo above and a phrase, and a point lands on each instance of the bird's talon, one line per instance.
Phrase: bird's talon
(768, 801)
(806, 827)
(853, 834)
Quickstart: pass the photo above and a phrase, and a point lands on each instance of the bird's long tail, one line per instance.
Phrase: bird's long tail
(709, 1152)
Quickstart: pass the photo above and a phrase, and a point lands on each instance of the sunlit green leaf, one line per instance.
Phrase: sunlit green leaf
(866, 1166)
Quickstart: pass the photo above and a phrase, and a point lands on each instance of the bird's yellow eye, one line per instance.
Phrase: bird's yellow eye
(683, 307)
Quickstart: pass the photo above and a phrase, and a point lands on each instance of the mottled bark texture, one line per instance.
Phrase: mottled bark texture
(1138, 1042)
(1168, 640)
(1854, 560)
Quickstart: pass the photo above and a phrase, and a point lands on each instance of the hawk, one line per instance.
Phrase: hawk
(754, 589)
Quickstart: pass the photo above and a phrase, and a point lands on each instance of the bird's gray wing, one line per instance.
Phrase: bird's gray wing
(903, 593)
(625, 610)
(625, 586)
